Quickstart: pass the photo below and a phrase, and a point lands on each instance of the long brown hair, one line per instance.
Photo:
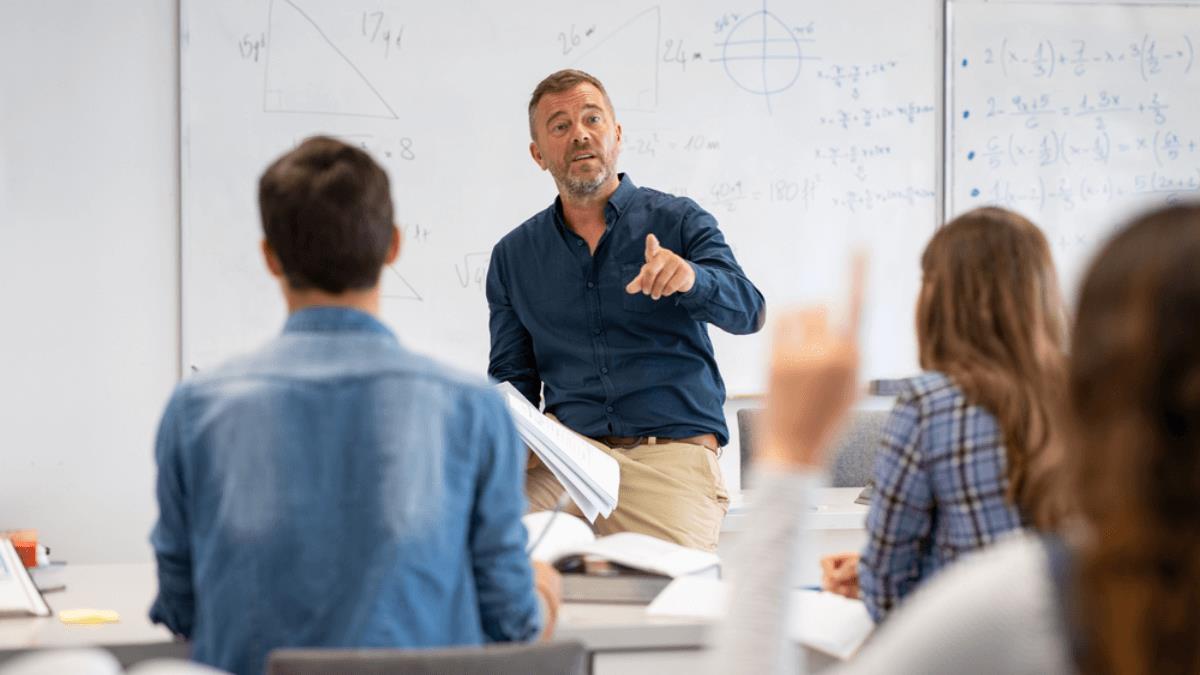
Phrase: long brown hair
(1134, 390)
(991, 317)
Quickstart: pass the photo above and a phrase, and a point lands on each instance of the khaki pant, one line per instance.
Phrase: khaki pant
(672, 491)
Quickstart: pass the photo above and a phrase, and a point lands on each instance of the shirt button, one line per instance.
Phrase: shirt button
(604, 371)
(591, 285)
(595, 331)
(579, 242)
(609, 408)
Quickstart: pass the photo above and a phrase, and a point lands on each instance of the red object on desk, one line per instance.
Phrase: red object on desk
(25, 541)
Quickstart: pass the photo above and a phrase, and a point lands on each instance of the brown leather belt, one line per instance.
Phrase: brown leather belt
(705, 440)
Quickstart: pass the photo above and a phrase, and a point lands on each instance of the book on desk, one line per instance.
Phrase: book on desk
(626, 567)
(19, 596)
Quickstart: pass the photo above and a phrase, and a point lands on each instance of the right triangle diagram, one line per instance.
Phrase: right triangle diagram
(308, 73)
(396, 287)
(626, 61)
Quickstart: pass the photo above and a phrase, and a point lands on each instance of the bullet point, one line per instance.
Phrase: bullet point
(966, 114)
(974, 192)
(971, 155)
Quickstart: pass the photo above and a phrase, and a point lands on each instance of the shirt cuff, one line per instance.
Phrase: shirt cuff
(701, 290)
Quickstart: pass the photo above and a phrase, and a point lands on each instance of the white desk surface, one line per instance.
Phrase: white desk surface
(130, 588)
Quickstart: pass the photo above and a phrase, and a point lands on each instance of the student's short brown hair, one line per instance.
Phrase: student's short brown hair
(558, 82)
(327, 212)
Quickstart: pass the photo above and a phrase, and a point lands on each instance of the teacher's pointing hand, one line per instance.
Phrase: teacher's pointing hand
(664, 273)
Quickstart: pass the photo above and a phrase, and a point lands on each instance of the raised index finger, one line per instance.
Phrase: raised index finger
(858, 279)
(651, 246)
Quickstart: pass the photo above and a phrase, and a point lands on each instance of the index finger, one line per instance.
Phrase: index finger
(651, 246)
(858, 276)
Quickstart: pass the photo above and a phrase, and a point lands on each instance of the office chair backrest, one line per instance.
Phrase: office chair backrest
(569, 658)
(852, 460)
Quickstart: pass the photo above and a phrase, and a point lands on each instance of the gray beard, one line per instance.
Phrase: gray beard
(579, 187)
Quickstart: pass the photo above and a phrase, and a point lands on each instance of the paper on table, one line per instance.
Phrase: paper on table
(829, 622)
(644, 552)
(692, 598)
(823, 621)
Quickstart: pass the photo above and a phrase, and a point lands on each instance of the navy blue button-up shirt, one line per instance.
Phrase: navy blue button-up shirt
(614, 363)
(335, 490)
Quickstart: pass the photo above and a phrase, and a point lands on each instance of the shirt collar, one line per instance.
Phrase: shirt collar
(333, 320)
(624, 192)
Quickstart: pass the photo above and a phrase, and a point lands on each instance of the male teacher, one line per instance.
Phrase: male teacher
(603, 298)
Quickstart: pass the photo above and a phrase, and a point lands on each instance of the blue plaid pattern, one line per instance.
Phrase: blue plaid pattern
(940, 490)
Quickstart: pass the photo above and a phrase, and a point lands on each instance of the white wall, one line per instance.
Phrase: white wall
(88, 267)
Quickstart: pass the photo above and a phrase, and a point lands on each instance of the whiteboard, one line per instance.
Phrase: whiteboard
(1076, 115)
(808, 129)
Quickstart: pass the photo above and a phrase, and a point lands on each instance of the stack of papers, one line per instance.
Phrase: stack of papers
(590, 477)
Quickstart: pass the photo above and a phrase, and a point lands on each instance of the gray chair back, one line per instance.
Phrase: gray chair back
(853, 457)
(569, 658)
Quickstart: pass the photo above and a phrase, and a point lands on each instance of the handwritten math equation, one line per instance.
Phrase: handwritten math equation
(1150, 56)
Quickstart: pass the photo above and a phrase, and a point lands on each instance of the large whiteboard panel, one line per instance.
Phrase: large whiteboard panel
(806, 128)
(1076, 115)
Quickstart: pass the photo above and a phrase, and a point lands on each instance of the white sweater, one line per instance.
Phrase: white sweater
(993, 612)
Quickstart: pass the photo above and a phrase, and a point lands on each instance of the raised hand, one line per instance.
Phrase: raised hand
(812, 382)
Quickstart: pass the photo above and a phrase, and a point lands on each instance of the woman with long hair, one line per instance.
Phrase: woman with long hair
(952, 466)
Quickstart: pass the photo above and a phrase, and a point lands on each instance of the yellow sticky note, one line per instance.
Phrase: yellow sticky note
(88, 616)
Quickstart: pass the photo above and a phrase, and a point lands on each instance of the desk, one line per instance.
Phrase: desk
(621, 638)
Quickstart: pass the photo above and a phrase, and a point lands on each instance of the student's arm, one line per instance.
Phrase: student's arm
(991, 612)
(900, 518)
(175, 605)
(812, 385)
(504, 582)
(722, 294)
(511, 358)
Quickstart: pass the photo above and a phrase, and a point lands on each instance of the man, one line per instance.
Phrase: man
(333, 489)
(603, 298)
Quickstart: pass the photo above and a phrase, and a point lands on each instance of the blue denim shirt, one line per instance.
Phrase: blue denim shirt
(941, 490)
(614, 363)
(334, 490)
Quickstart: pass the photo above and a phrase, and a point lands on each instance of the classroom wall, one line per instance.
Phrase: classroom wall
(89, 223)
(89, 269)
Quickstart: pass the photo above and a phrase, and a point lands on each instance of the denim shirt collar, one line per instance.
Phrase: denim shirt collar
(334, 320)
(612, 210)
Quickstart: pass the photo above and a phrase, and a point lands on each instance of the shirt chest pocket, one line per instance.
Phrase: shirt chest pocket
(636, 302)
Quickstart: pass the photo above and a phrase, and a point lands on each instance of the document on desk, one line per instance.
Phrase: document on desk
(590, 477)
(822, 621)
(18, 594)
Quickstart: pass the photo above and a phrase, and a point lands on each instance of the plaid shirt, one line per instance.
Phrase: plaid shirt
(940, 490)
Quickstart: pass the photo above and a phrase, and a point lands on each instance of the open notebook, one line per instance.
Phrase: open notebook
(569, 537)
(18, 594)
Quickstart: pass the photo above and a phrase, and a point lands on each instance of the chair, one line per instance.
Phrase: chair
(853, 457)
(568, 658)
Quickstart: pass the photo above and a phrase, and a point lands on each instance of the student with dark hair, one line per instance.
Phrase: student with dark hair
(951, 474)
(333, 489)
(1119, 592)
